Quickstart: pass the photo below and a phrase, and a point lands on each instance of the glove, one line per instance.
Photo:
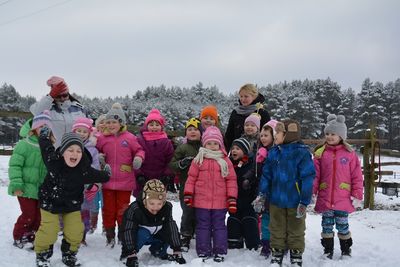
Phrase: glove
(246, 184)
(58, 86)
(132, 261)
(301, 210)
(137, 163)
(107, 169)
(188, 199)
(177, 257)
(91, 192)
(232, 208)
(102, 160)
(185, 162)
(45, 132)
(357, 203)
(259, 204)
(141, 180)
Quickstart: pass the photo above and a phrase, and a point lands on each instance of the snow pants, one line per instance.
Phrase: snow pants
(29, 220)
(188, 220)
(210, 223)
(115, 203)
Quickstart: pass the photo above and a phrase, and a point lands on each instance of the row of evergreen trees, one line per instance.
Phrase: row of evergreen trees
(308, 101)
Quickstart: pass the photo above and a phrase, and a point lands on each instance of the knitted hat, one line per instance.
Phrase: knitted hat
(116, 113)
(154, 189)
(335, 124)
(212, 133)
(99, 119)
(155, 115)
(243, 144)
(292, 130)
(254, 118)
(271, 123)
(41, 119)
(210, 111)
(69, 139)
(84, 123)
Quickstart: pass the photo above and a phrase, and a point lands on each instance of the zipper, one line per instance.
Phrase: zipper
(333, 177)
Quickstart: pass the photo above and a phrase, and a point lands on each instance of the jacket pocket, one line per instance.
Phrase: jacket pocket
(345, 186)
(323, 186)
(125, 168)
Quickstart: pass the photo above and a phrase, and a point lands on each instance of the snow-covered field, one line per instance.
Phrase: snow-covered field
(376, 236)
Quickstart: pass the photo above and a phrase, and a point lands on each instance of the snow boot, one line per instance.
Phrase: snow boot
(43, 258)
(345, 245)
(296, 257)
(185, 241)
(265, 249)
(328, 243)
(69, 259)
(132, 262)
(218, 258)
(110, 236)
(277, 256)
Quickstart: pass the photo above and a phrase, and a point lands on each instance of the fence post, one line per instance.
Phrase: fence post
(369, 167)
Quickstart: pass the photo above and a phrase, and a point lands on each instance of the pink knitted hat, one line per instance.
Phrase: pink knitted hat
(83, 122)
(212, 133)
(155, 115)
(254, 118)
(272, 123)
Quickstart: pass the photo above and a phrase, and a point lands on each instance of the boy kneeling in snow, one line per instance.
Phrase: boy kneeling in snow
(61, 194)
(148, 221)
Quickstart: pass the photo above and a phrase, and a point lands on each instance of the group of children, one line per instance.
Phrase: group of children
(259, 172)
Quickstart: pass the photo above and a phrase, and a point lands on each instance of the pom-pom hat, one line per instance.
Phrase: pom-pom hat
(335, 124)
(155, 115)
(116, 113)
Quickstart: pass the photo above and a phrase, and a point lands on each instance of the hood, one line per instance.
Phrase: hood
(23, 132)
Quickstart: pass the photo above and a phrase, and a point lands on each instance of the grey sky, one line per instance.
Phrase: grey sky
(110, 48)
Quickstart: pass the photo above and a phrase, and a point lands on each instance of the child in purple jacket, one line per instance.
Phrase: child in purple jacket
(159, 152)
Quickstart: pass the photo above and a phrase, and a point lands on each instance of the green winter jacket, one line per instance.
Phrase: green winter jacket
(26, 168)
(190, 149)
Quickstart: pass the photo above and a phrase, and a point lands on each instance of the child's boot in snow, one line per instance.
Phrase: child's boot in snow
(43, 258)
(277, 256)
(265, 249)
(345, 245)
(296, 258)
(327, 243)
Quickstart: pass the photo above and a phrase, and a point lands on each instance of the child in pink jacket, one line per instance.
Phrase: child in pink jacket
(211, 188)
(338, 185)
(123, 153)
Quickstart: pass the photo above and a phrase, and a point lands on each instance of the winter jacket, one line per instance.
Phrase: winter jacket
(246, 179)
(236, 122)
(190, 149)
(159, 153)
(62, 115)
(338, 178)
(207, 186)
(26, 167)
(288, 175)
(62, 189)
(161, 225)
(120, 150)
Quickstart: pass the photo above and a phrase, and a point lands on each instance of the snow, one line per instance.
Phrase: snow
(375, 234)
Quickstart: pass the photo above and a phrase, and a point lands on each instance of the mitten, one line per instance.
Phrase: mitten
(132, 261)
(45, 132)
(357, 203)
(107, 169)
(188, 199)
(141, 180)
(261, 155)
(58, 86)
(137, 163)
(232, 208)
(102, 160)
(246, 184)
(91, 192)
(185, 162)
(301, 210)
(259, 204)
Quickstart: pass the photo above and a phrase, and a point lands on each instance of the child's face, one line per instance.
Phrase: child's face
(72, 155)
(113, 126)
(212, 145)
(154, 126)
(83, 133)
(192, 133)
(279, 137)
(236, 153)
(246, 98)
(154, 205)
(101, 126)
(266, 138)
(332, 139)
(208, 121)
(250, 128)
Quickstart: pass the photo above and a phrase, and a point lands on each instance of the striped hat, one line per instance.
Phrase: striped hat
(69, 139)
(41, 119)
(84, 123)
(243, 144)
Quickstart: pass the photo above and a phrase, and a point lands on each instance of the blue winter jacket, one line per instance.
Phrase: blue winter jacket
(288, 175)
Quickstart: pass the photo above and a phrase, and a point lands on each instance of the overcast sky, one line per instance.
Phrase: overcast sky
(110, 48)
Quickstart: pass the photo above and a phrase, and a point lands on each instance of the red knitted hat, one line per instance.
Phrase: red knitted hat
(155, 115)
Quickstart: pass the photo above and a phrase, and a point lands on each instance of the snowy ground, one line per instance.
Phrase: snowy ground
(376, 236)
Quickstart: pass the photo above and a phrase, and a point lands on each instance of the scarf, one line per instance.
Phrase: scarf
(246, 110)
(216, 155)
(150, 136)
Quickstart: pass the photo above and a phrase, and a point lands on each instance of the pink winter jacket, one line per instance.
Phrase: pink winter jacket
(338, 178)
(209, 189)
(119, 152)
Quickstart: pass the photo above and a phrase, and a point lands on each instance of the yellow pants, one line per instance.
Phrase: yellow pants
(50, 226)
